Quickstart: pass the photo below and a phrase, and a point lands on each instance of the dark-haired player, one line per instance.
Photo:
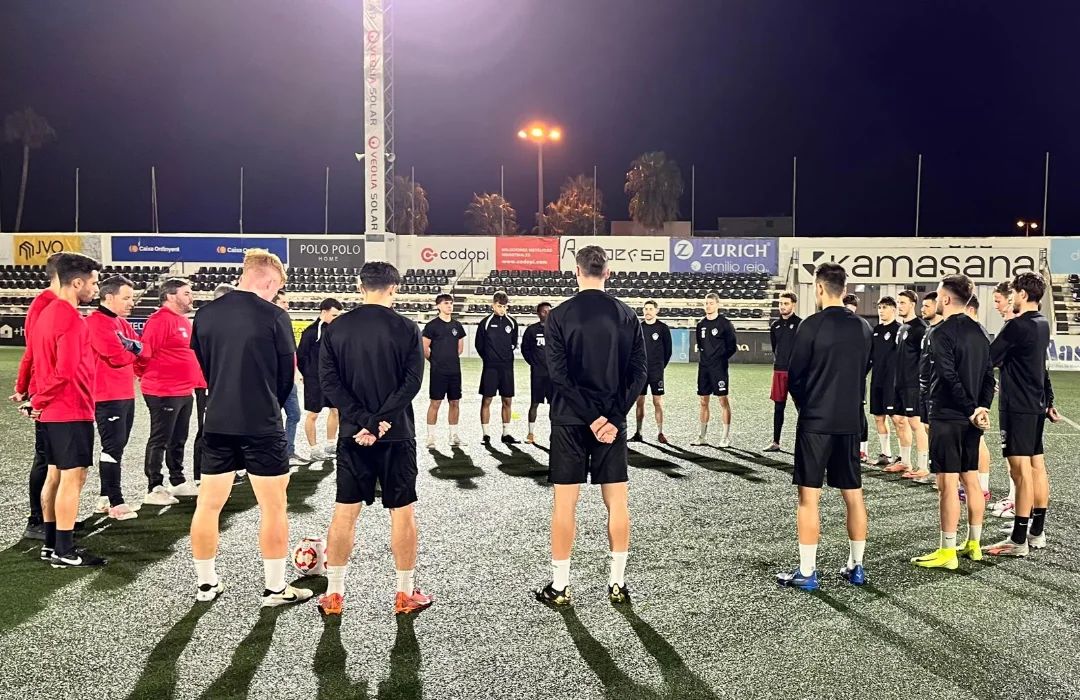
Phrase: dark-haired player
(496, 342)
(596, 357)
(782, 339)
(371, 367)
(533, 350)
(884, 374)
(716, 345)
(657, 355)
(444, 341)
(1027, 400)
(307, 361)
(906, 404)
(827, 379)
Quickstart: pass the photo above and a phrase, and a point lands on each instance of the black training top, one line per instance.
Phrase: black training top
(497, 339)
(827, 371)
(1020, 351)
(926, 363)
(909, 352)
(782, 339)
(533, 348)
(307, 354)
(657, 346)
(715, 341)
(883, 357)
(444, 337)
(246, 350)
(962, 378)
(371, 366)
(596, 357)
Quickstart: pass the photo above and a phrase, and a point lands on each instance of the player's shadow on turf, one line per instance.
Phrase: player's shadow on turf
(158, 679)
(617, 684)
(458, 467)
(519, 463)
(404, 682)
(679, 680)
(639, 460)
(711, 463)
(330, 665)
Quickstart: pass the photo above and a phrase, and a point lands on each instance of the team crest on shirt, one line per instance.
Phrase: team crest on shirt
(715, 331)
(453, 332)
(887, 335)
(508, 329)
(183, 331)
(656, 336)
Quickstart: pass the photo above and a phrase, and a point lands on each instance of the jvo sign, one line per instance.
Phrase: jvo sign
(324, 251)
(981, 264)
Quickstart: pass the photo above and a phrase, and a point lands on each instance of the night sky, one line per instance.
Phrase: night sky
(856, 89)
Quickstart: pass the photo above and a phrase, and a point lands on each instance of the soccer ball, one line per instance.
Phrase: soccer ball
(309, 557)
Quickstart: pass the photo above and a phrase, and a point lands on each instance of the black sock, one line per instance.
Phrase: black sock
(1020, 529)
(65, 541)
(50, 534)
(778, 420)
(110, 482)
(1038, 521)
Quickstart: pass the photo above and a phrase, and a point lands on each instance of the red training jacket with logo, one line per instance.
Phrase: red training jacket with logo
(24, 383)
(115, 367)
(63, 365)
(167, 365)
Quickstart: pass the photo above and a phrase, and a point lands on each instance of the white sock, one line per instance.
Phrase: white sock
(618, 569)
(807, 558)
(532, 428)
(905, 454)
(506, 429)
(924, 461)
(948, 540)
(883, 441)
(726, 431)
(486, 427)
(862, 447)
(1012, 489)
(855, 552)
(704, 429)
(206, 571)
(274, 573)
(560, 574)
(984, 481)
(406, 581)
(431, 430)
(974, 532)
(335, 579)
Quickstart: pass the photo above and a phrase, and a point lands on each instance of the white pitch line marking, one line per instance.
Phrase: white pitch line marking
(1069, 421)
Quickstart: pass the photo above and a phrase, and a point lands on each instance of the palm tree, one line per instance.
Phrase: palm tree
(655, 185)
(31, 130)
(490, 214)
(409, 198)
(572, 214)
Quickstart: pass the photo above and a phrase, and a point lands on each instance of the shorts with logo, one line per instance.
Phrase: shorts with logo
(390, 464)
(444, 386)
(907, 402)
(954, 447)
(260, 455)
(821, 458)
(1021, 433)
(712, 380)
(540, 387)
(69, 444)
(779, 390)
(577, 457)
(314, 401)
(654, 383)
(881, 400)
(497, 379)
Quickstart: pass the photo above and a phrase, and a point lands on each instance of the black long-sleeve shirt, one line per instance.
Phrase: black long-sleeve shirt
(715, 341)
(1020, 351)
(533, 349)
(497, 339)
(371, 366)
(926, 363)
(962, 377)
(596, 357)
(782, 339)
(307, 353)
(827, 371)
(246, 350)
(657, 346)
(883, 356)
(909, 353)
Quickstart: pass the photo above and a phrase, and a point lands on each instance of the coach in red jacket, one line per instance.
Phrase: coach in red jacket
(63, 403)
(115, 346)
(24, 385)
(169, 373)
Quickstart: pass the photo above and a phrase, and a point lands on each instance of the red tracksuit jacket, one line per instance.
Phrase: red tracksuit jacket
(24, 383)
(167, 365)
(115, 375)
(63, 365)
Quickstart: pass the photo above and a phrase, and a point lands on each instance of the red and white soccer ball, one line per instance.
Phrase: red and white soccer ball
(309, 557)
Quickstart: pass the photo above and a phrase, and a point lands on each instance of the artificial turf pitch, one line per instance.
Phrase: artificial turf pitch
(710, 529)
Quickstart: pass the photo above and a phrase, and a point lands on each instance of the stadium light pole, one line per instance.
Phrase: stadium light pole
(540, 134)
(1028, 226)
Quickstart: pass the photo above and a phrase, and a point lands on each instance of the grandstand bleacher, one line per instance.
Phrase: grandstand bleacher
(19, 284)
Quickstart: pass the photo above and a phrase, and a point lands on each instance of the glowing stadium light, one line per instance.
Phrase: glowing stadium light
(540, 133)
(523, 134)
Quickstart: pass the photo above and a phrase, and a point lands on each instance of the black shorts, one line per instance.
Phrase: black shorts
(820, 458)
(907, 402)
(712, 380)
(654, 384)
(954, 447)
(577, 456)
(260, 455)
(444, 386)
(69, 444)
(881, 401)
(924, 409)
(540, 387)
(497, 379)
(1021, 434)
(391, 464)
(314, 401)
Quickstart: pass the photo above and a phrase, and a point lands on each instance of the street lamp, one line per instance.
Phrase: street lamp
(1028, 226)
(540, 134)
